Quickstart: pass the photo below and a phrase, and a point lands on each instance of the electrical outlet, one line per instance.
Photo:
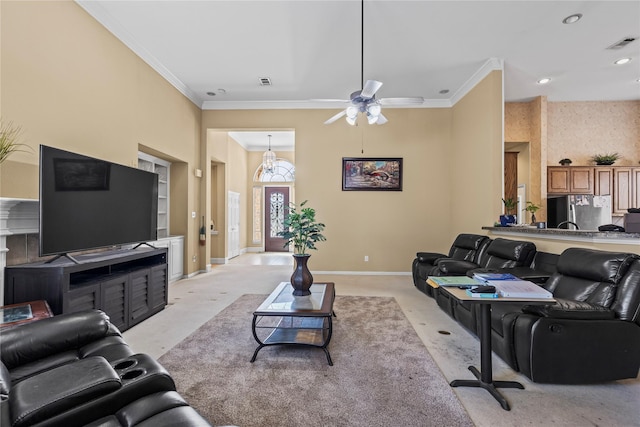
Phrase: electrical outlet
(366, 258)
(194, 258)
(193, 214)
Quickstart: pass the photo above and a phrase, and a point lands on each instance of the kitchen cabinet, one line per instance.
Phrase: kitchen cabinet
(626, 194)
(570, 180)
(603, 181)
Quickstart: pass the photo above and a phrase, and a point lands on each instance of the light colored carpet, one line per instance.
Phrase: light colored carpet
(382, 374)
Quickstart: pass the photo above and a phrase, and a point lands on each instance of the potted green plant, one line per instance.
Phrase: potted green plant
(605, 159)
(302, 231)
(532, 208)
(510, 206)
(10, 134)
(565, 162)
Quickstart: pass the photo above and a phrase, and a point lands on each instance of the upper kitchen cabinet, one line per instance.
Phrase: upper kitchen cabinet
(626, 184)
(570, 180)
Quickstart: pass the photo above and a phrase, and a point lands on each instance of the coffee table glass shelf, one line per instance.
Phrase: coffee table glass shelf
(285, 319)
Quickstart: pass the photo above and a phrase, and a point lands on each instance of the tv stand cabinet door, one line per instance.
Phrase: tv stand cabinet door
(115, 303)
(159, 287)
(139, 296)
(83, 298)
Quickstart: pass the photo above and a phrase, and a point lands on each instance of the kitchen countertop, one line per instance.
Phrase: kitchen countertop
(564, 234)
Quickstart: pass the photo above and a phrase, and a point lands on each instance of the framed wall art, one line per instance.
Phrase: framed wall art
(371, 174)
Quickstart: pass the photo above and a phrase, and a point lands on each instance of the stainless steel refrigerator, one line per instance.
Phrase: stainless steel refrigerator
(587, 211)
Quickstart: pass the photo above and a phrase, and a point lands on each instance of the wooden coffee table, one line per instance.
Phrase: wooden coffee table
(285, 319)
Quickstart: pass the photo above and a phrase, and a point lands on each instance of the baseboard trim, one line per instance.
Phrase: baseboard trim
(365, 273)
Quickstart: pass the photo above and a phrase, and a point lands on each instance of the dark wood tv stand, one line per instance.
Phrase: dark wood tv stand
(129, 284)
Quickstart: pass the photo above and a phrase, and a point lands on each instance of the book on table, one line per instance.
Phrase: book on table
(453, 281)
(482, 294)
(494, 276)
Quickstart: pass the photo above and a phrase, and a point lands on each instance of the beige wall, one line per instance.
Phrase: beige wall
(70, 84)
(579, 130)
(389, 227)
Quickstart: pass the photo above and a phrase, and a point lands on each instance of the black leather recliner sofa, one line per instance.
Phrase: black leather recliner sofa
(76, 369)
(466, 247)
(590, 334)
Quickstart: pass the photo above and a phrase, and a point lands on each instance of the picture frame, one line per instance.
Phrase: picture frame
(371, 174)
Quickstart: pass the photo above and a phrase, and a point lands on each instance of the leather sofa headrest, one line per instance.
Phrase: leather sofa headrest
(591, 264)
(469, 241)
(511, 249)
(57, 334)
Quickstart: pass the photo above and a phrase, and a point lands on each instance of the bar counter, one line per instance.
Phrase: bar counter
(592, 236)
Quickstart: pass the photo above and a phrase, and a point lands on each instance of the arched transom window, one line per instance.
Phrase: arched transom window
(284, 171)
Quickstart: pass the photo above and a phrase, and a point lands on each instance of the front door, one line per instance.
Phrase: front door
(276, 200)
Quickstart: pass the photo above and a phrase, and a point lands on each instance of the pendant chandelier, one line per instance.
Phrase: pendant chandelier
(269, 159)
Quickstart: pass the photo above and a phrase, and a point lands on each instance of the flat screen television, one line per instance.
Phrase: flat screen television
(88, 203)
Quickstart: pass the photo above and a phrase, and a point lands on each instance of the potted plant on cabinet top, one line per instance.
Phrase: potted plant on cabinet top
(10, 134)
(565, 162)
(302, 231)
(510, 206)
(532, 208)
(605, 159)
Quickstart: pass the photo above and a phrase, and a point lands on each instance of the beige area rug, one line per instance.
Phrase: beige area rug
(382, 375)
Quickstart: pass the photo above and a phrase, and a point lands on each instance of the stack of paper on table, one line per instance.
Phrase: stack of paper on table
(519, 289)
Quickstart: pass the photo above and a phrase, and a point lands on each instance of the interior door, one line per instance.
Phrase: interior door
(233, 242)
(276, 201)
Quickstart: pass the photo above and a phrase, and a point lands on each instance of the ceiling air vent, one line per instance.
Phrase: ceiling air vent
(265, 81)
(622, 43)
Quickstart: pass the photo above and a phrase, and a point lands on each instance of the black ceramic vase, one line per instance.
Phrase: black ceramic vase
(301, 279)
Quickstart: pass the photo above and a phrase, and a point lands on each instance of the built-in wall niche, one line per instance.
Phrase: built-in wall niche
(161, 167)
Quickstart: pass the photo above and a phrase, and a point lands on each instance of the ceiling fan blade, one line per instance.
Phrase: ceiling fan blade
(336, 117)
(402, 101)
(329, 100)
(381, 119)
(370, 88)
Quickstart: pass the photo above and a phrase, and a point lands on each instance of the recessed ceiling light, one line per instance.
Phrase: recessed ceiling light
(544, 81)
(622, 61)
(572, 19)
(444, 91)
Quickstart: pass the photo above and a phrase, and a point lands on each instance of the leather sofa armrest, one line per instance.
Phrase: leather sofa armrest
(454, 267)
(45, 395)
(429, 257)
(569, 309)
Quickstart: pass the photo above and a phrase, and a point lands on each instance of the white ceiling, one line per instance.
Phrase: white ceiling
(312, 49)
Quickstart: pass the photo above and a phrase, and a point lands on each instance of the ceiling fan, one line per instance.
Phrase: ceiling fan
(364, 100)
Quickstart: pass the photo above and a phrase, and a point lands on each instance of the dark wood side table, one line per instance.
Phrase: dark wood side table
(24, 312)
(484, 376)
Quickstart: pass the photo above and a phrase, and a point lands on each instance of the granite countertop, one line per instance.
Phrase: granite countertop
(561, 232)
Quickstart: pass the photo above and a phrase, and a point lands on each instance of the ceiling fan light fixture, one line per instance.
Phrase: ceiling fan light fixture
(352, 111)
(374, 109)
(351, 120)
(372, 118)
(544, 81)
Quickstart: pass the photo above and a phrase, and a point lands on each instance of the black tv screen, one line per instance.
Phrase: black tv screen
(87, 203)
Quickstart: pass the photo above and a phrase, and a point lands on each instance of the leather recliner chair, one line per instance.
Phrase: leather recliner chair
(466, 247)
(74, 368)
(591, 334)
